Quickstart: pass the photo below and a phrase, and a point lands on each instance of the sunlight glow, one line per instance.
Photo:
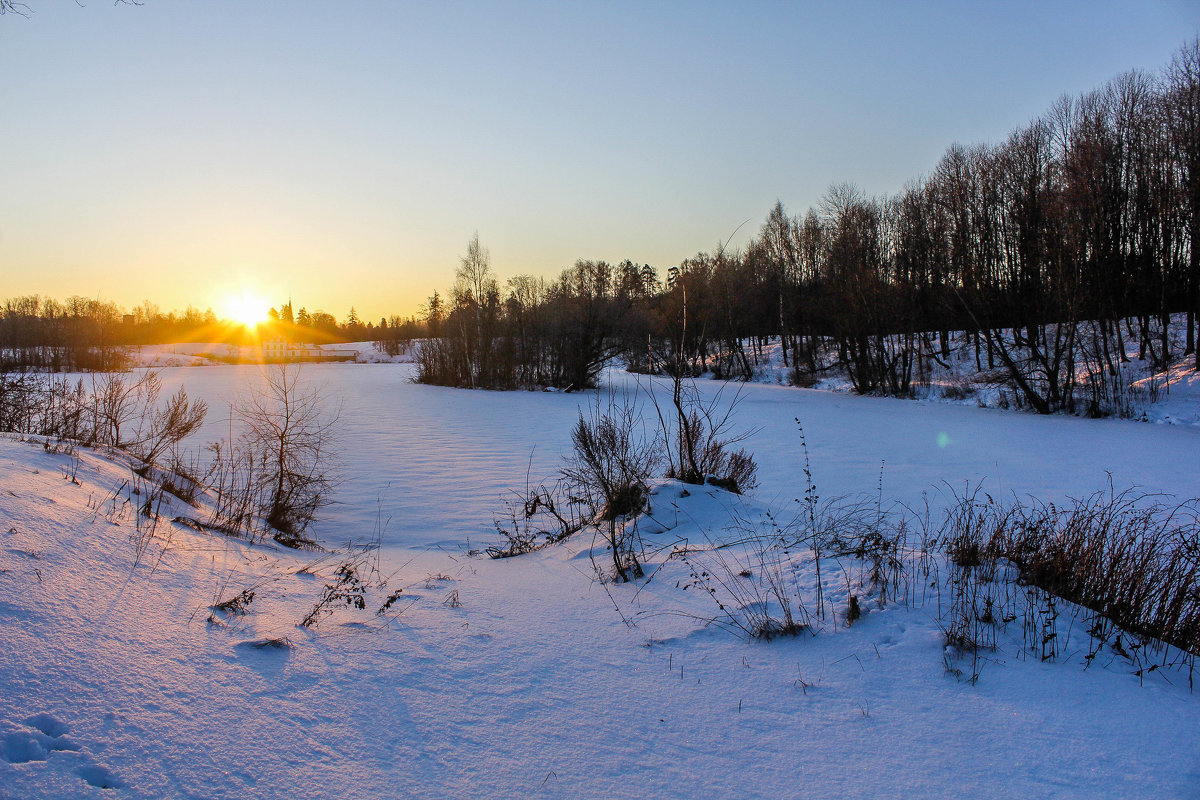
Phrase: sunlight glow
(248, 309)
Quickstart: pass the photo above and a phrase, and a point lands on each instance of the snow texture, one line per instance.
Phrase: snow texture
(528, 676)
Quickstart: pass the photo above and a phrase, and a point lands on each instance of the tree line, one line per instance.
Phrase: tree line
(539, 332)
(82, 334)
(1054, 251)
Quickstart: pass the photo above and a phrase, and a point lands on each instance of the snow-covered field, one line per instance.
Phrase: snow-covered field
(200, 354)
(1168, 397)
(528, 676)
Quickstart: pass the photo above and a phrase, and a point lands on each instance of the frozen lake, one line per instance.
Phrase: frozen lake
(437, 461)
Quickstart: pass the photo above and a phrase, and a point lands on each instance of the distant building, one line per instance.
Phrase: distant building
(275, 349)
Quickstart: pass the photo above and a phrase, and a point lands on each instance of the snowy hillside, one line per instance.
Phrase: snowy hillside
(121, 674)
(1169, 397)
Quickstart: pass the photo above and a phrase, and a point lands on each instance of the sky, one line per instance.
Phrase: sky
(342, 154)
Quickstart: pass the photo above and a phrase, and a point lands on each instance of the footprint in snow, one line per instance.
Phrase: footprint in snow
(47, 725)
(98, 776)
(43, 735)
(40, 736)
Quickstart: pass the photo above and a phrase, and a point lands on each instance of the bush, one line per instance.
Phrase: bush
(736, 472)
(537, 518)
(613, 457)
(700, 436)
(166, 427)
(612, 460)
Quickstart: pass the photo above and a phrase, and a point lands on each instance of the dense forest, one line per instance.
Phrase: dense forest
(1052, 254)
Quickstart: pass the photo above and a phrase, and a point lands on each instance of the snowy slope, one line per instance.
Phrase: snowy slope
(1170, 397)
(528, 676)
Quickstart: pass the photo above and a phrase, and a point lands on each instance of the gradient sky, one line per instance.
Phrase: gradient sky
(342, 153)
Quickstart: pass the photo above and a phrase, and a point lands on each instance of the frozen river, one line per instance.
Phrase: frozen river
(434, 463)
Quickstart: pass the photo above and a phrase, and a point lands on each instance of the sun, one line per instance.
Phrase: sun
(247, 309)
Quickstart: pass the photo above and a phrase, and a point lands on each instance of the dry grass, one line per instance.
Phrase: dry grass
(1133, 559)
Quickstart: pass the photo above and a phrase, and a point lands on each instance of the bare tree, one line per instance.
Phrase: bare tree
(288, 432)
(474, 275)
(1183, 109)
(476, 297)
(117, 402)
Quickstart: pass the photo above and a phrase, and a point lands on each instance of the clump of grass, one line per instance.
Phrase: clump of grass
(752, 581)
(347, 589)
(272, 643)
(540, 517)
(238, 604)
(755, 580)
(853, 611)
(388, 602)
(1133, 559)
(182, 480)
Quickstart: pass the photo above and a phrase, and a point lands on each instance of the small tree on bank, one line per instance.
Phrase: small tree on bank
(288, 437)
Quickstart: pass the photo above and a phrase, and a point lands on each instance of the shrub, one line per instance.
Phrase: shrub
(237, 604)
(166, 427)
(699, 436)
(537, 518)
(612, 460)
(347, 589)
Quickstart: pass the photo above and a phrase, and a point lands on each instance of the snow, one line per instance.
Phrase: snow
(190, 354)
(438, 462)
(528, 676)
(1170, 397)
(200, 354)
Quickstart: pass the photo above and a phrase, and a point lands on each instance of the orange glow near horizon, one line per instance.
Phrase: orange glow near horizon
(247, 309)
